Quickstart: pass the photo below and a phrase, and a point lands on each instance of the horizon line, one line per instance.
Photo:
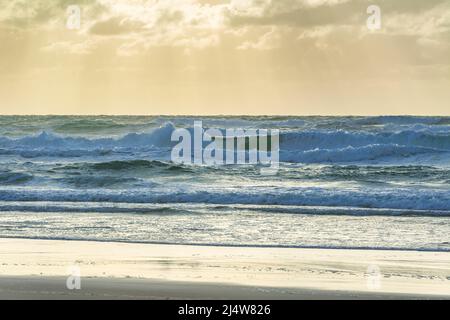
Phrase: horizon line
(222, 115)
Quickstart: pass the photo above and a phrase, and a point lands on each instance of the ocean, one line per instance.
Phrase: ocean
(342, 182)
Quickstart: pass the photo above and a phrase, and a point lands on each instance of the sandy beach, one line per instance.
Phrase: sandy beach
(31, 269)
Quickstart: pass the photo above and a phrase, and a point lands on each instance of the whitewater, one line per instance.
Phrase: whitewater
(343, 182)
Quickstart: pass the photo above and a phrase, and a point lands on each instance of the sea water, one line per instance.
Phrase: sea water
(342, 182)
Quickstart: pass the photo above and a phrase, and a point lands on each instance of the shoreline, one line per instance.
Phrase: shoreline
(29, 268)
(218, 245)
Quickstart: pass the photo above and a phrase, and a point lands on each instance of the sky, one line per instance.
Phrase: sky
(235, 57)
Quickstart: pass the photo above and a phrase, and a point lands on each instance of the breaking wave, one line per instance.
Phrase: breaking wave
(302, 146)
(393, 198)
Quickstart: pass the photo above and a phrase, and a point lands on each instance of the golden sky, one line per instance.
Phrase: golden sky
(287, 57)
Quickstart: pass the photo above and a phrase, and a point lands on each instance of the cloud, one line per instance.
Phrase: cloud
(313, 30)
(232, 52)
(199, 24)
(71, 47)
(31, 14)
(116, 26)
(300, 13)
(268, 41)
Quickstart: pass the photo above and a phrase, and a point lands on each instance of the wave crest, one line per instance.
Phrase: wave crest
(300, 145)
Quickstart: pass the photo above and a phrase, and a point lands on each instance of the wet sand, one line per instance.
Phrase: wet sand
(40, 269)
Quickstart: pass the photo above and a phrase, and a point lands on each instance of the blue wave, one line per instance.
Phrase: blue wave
(302, 146)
